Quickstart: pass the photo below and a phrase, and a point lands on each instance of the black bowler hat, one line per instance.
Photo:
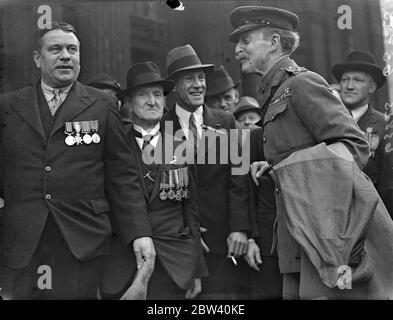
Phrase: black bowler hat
(253, 17)
(246, 104)
(142, 74)
(104, 81)
(219, 82)
(363, 61)
(184, 58)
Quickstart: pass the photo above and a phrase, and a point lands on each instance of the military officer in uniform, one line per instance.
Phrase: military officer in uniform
(298, 109)
(169, 195)
(359, 78)
(66, 168)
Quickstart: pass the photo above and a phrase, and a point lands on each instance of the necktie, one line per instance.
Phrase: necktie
(146, 140)
(193, 131)
(55, 102)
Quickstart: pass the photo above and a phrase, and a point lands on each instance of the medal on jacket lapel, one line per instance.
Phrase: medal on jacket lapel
(177, 184)
(164, 185)
(94, 127)
(69, 140)
(181, 182)
(186, 179)
(373, 140)
(77, 127)
(86, 130)
(171, 193)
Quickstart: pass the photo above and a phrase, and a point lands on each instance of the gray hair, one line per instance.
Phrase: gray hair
(289, 39)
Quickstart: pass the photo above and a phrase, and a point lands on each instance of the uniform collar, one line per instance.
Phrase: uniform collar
(274, 75)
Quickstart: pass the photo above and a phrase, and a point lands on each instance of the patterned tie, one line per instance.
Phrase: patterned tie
(55, 102)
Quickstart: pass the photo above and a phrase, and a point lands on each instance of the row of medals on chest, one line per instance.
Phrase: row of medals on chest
(80, 132)
(174, 184)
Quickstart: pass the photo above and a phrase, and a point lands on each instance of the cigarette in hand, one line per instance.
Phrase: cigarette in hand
(234, 260)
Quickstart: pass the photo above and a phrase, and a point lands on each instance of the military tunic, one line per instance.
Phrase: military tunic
(299, 112)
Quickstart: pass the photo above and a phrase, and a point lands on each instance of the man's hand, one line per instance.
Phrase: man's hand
(253, 256)
(258, 168)
(203, 243)
(138, 288)
(144, 251)
(195, 290)
(237, 244)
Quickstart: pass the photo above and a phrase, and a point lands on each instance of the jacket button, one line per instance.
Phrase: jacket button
(264, 139)
(277, 190)
(48, 196)
(47, 168)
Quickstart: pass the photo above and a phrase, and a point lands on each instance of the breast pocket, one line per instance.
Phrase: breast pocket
(100, 206)
(276, 127)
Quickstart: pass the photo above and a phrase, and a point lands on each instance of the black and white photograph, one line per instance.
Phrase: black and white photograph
(196, 151)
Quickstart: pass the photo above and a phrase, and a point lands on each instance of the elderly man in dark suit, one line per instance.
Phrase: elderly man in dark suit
(298, 109)
(169, 194)
(359, 78)
(66, 167)
(223, 195)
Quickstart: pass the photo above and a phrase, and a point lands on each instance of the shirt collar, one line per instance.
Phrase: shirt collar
(46, 89)
(185, 115)
(144, 132)
(155, 132)
(359, 112)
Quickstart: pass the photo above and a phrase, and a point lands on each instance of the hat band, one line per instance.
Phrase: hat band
(184, 62)
(255, 20)
(144, 78)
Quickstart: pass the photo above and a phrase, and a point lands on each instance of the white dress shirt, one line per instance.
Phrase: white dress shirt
(48, 91)
(184, 118)
(153, 132)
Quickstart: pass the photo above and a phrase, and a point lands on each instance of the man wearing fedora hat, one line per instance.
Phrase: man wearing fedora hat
(172, 215)
(247, 112)
(222, 93)
(298, 109)
(359, 77)
(107, 84)
(223, 197)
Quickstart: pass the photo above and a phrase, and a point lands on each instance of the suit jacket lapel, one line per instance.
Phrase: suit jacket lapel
(367, 118)
(156, 189)
(76, 102)
(26, 105)
(131, 136)
(171, 117)
(211, 120)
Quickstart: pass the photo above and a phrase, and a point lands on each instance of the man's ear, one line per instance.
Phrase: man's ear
(275, 42)
(128, 103)
(372, 88)
(37, 57)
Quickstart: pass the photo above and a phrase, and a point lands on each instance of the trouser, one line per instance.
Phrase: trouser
(226, 281)
(53, 272)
